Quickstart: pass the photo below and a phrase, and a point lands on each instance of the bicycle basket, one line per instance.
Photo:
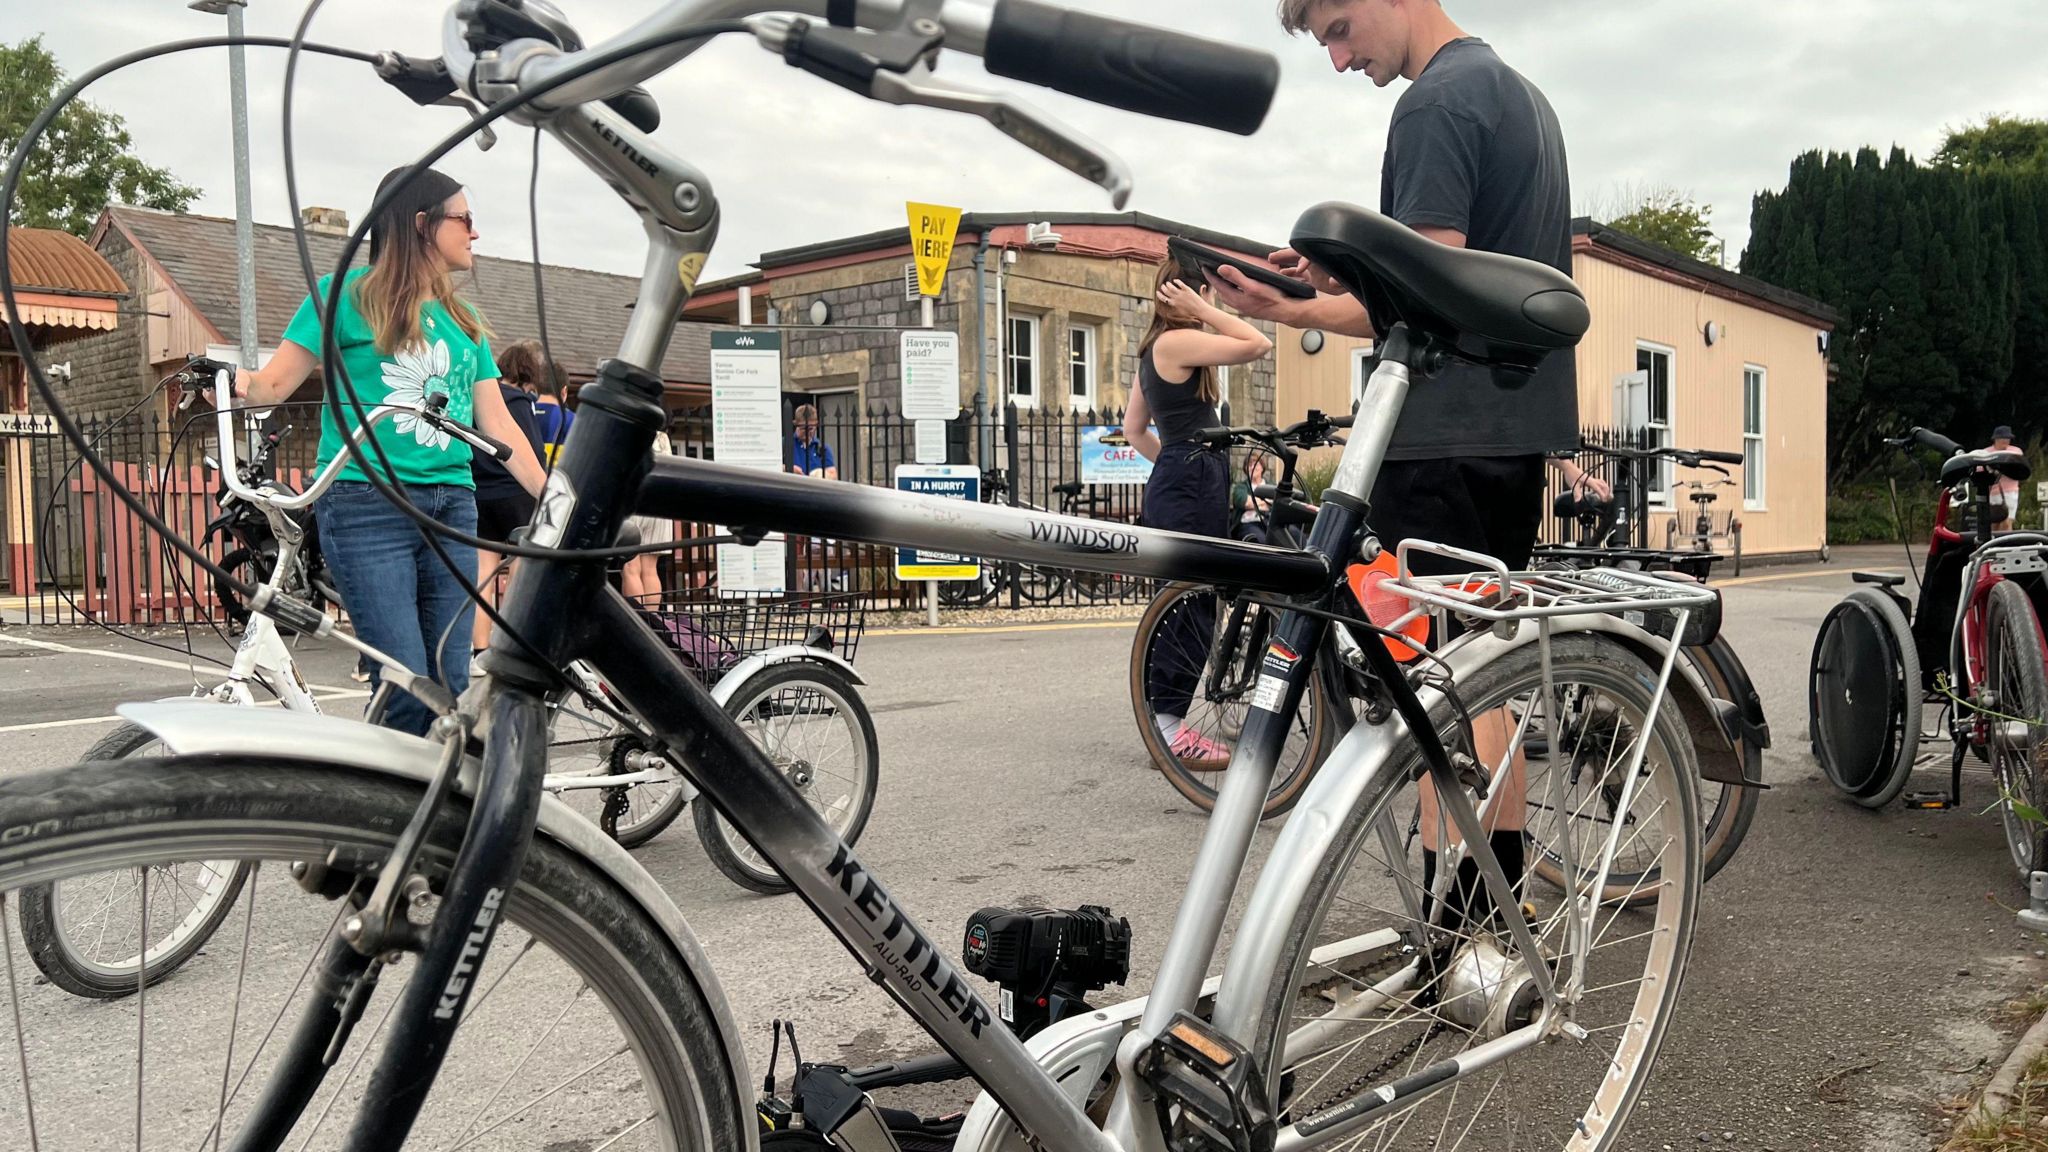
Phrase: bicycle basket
(712, 634)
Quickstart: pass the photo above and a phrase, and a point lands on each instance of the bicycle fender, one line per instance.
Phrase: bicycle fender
(190, 727)
(1709, 720)
(729, 681)
(1749, 719)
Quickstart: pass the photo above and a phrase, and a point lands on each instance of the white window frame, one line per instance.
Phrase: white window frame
(1661, 482)
(1360, 359)
(1012, 358)
(1086, 363)
(1755, 469)
(1222, 386)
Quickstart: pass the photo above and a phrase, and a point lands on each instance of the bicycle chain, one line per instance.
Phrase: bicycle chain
(1393, 1059)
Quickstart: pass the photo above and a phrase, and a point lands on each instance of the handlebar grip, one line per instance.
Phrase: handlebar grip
(1214, 437)
(1721, 457)
(1927, 438)
(1138, 68)
(637, 105)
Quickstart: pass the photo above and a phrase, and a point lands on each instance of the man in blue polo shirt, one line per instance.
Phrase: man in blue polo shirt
(808, 455)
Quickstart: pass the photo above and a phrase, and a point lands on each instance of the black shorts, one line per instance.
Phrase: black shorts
(1489, 504)
(497, 517)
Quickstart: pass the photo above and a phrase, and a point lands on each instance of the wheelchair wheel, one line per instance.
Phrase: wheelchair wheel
(1863, 698)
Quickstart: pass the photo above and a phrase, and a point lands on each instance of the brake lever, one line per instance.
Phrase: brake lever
(486, 138)
(1065, 146)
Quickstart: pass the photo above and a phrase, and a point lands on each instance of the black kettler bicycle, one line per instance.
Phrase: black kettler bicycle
(503, 973)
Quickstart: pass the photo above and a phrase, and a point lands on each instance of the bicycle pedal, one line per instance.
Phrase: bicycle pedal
(1207, 1089)
(1928, 801)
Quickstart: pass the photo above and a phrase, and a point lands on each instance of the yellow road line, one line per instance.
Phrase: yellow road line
(987, 630)
(1800, 575)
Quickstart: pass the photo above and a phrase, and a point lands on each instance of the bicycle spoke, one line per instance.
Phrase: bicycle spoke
(628, 1130)
(535, 1047)
(363, 1046)
(235, 1015)
(20, 1037)
(524, 1108)
(213, 1133)
(141, 1004)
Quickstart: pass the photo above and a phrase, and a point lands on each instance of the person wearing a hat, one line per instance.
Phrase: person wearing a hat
(404, 333)
(2008, 489)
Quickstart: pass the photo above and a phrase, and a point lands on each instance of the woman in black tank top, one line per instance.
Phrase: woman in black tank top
(1189, 491)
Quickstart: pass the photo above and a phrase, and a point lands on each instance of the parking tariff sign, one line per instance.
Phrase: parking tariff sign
(954, 482)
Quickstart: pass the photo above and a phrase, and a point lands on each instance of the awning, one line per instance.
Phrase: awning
(73, 312)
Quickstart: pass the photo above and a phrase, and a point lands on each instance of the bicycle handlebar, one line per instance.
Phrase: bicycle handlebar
(1689, 457)
(219, 378)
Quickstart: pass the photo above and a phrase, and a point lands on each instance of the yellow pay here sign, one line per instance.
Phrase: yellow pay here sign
(932, 228)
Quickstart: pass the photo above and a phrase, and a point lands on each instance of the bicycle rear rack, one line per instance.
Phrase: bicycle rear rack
(1492, 593)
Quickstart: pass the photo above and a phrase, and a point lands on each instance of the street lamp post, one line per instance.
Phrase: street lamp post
(245, 222)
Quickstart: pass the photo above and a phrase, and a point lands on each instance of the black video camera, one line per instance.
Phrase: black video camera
(1046, 960)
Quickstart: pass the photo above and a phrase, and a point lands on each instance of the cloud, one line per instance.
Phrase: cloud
(1715, 99)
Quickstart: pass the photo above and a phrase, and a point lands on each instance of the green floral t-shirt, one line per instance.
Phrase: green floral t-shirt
(447, 361)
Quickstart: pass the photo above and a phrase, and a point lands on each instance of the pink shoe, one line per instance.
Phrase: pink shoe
(1197, 752)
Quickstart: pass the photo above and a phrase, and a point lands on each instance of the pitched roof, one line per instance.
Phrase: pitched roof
(1644, 250)
(587, 311)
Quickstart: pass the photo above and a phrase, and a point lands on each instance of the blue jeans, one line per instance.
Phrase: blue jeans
(402, 599)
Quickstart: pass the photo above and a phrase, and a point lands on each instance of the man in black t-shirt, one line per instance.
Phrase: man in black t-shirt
(1475, 159)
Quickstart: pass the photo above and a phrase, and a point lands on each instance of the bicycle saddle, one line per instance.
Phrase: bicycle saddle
(2009, 464)
(1493, 310)
(1703, 497)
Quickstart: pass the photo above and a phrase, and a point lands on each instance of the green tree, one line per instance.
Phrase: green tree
(1671, 218)
(1939, 275)
(85, 159)
(2001, 141)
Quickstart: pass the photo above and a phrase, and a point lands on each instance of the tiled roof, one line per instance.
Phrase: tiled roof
(587, 311)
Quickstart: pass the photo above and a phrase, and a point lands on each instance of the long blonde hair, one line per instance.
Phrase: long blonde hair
(404, 276)
(1164, 321)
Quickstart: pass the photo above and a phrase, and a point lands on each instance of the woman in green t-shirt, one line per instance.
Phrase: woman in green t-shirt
(404, 333)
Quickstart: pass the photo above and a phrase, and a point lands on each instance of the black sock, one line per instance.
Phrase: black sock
(1467, 897)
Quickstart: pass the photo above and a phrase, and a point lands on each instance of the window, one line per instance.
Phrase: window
(1362, 365)
(1080, 367)
(1753, 390)
(1643, 401)
(1022, 354)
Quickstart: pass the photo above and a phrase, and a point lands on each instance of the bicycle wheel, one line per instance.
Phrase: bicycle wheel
(1863, 698)
(65, 926)
(970, 593)
(810, 720)
(2019, 703)
(1174, 647)
(1366, 994)
(585, 1028)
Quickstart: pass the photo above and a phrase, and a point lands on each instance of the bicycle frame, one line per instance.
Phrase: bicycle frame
(605, 472)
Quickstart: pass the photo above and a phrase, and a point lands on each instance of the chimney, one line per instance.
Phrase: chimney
(324, 221)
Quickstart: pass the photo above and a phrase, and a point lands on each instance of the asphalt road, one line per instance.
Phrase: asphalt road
(1842, 982)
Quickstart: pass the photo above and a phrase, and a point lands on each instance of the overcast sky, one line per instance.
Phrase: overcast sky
(1713, 98)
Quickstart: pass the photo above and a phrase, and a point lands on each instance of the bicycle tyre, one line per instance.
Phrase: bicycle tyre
(1190, 780)
(1578, 658)
(2019, 683)
(64, 962)
(125, 814)
(1864, 659)
(749, 706)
